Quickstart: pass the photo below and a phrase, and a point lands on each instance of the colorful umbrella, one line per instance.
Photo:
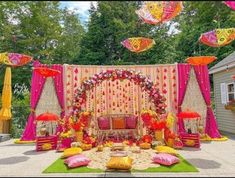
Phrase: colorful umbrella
(188, 115)
(47, 117)
(138, 44)
(46, 72)
(218, 37)
(154, 12)
(14, 59)
(5, 112)
(230, 4)
(200, 60)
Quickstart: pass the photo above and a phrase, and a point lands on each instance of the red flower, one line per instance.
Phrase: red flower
(147, 138)
(158, 125)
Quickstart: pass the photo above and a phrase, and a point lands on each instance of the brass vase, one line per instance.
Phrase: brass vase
(158, 135)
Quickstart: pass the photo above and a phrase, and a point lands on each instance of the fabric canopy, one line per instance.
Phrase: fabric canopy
(5, 112)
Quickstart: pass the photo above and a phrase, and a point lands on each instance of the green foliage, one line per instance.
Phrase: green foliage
(54, 35)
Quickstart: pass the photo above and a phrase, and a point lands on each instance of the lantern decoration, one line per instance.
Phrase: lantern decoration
(14, 59)
(138, 44)
(159, 11)
(46, 72)
(230, 4)
(218, 37)
(200, 60)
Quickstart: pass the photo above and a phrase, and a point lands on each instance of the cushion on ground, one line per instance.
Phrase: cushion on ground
(120, 163)
(77, 161)
(71, 152)
(165, 159)
(166, 149)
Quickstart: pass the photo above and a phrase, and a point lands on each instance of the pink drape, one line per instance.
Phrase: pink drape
(37, 84)
(59, 86)
(202, 75)
(183, 77)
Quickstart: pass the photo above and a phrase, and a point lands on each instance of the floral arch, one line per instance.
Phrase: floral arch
(119, 74)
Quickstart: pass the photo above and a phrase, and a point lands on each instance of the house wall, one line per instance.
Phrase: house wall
(225, 118)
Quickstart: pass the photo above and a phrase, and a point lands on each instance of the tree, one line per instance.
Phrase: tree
(198, 18)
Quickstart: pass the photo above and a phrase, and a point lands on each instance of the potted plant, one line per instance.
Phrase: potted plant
(230, 105)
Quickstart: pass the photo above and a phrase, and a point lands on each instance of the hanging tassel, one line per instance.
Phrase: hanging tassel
(5, 112)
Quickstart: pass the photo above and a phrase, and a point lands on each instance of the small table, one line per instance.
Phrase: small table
(190, 140)
(44, 143)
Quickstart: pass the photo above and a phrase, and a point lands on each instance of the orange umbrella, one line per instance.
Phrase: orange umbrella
(200, 60)
(47, 117)
(46, 72)
(188, 115)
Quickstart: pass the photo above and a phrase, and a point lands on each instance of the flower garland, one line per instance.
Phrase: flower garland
(145, 83)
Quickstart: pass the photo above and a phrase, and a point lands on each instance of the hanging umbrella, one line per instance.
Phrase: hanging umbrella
(46, 72)
(200, 60)
(14, 59)
(230, 4)
(5, 112)
(154, 12)
(138, 44)
(218, 37)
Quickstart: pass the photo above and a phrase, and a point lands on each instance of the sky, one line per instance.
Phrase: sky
(80, 7)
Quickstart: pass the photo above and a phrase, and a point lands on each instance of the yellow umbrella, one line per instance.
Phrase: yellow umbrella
(5, 112)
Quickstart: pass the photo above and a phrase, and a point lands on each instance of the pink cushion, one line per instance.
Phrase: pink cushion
(165, 159)
(131, 122)
(77, 161)
(104, 123)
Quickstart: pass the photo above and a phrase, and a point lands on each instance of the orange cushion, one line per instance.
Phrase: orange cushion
(118, 123)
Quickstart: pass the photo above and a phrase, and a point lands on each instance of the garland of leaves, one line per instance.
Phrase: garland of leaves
(118, 74)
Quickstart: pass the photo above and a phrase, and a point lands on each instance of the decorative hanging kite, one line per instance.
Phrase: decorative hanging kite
(230, 4)
(200, 60)
(138, 44)
(14, 59)
(46, 72)
(218, 37)
(159, 11)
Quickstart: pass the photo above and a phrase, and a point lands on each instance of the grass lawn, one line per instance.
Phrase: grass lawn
(59, 167)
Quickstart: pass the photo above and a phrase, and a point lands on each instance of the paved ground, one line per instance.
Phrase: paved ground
(213, 159)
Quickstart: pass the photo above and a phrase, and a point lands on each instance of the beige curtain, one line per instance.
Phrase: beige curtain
(194, 100)
(48, 102)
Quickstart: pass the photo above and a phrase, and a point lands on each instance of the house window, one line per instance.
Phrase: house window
(231, 91)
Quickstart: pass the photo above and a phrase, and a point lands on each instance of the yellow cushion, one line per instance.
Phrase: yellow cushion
(121, 163)
(71, 152)
(86, 146)
(145, 145)
(166, 149)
